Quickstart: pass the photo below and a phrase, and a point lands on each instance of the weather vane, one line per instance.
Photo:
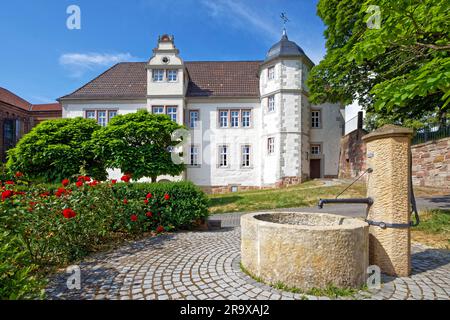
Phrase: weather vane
(285, 19)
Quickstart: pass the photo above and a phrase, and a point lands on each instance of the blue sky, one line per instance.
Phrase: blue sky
(41, 59)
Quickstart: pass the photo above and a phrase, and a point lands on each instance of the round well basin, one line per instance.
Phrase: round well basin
(305, 250)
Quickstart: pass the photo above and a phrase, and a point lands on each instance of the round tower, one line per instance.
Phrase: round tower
(285, 113)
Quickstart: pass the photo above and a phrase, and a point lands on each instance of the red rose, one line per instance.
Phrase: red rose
(19, 174)
(69, 213)
(9, 182)
(45, 194)
(160, 229)
(126, 178)
(65, 182)
(87, 179)
(60, 192)
(79, 183)
(114, 181)
(125, 201)
(93, 183)
(149, 214)
(149, 196)
(166, 197)
(134, 218)
(7, 194)
(146, 201)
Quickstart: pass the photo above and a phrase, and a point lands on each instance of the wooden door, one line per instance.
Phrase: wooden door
(314, 167)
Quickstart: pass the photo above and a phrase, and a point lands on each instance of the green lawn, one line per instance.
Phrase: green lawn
(305, 194)
(434, 228)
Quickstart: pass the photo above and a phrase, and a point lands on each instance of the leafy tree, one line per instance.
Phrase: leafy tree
(57, 149)
(400, 72)
(138, 144)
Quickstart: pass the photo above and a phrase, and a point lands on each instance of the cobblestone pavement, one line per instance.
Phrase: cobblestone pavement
(205, 265)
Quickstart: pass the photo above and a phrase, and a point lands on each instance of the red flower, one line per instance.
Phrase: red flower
(45, 194)
(160, 229)
(125, 201)
(69, 213)
(21, 193)
(19, 174)
(65, 182)
(87, 179)
(94, 183)
(114, 181)
(134, 218)
(149, 214)
(60, 192)
(126, 178)
(146, 201)
(166, 197)
(9, 182)
(149, 196)
(79, 183)
(7, 194)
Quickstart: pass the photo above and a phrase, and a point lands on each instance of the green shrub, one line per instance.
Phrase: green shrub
(137, 143)
(16, 279)
(56, 149)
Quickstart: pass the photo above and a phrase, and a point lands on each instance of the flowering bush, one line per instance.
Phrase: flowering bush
(59, 224)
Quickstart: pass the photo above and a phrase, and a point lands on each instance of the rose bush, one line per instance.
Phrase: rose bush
(58, 224)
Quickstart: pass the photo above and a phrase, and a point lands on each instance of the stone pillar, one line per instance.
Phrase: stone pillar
(388, 154)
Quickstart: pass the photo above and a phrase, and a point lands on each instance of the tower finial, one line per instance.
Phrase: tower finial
(285, 19)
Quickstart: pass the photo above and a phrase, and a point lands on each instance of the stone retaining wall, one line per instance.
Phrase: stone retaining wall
(431, 163)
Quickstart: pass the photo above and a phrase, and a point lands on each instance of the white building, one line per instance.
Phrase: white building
(252, 123)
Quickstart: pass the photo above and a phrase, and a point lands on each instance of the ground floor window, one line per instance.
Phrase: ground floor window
(194, 156)
(223, 156)
(245, 151)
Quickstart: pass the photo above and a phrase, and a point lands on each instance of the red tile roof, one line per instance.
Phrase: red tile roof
(128, 80)
(8, 97)
(47, 107)
(223, 79)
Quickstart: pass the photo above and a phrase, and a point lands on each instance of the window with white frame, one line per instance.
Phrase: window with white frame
(315, 119)
(235, 118)
(246, 115)
(271, 73)
(194, 156)
(158, 75)
(90, 114)
(223, 118)
(223, 156)
(101, 116)
(172, 112)
(316, 149)
(271, 103)
(158, 109)
(172, 75)
(111, 114)
(271, 145)
(194, 117)
(245, 151)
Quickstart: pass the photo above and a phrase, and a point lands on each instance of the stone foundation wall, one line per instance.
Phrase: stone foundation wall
(431, 164)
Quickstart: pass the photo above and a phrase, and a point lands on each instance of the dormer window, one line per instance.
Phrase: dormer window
(172, 75)
(271, 73)
(158, 75)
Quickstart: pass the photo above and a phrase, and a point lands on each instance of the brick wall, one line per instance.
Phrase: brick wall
(431, 163)
(352, 160)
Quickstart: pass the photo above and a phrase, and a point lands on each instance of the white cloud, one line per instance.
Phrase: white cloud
(79, 63)
(244, 17)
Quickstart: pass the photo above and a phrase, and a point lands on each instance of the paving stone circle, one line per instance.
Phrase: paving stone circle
(204, 265)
